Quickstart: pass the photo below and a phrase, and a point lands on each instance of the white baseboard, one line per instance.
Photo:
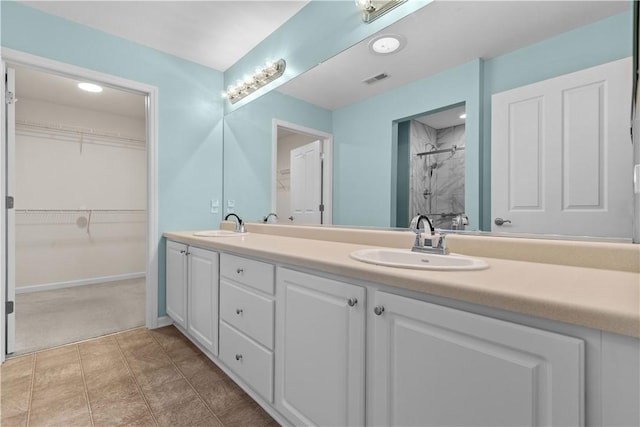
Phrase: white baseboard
(81, 282)
(164, 321)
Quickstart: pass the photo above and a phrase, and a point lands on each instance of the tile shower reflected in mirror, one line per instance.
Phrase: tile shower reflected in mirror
(437, 155)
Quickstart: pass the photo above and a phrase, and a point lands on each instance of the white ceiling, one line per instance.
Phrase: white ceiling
(34, 84)
(439, 36)
(444, 119)
(211, 33)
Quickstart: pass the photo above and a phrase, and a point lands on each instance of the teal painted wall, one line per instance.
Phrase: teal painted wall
(248, 148)
(364, 152)
(190, 111)
(320, 30)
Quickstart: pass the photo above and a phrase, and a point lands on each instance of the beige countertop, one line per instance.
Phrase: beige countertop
(599, 298)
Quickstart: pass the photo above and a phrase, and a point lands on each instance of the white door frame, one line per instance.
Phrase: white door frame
(327, 176)
(151, 92)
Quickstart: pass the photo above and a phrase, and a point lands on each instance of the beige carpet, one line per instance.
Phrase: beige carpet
(51, 318)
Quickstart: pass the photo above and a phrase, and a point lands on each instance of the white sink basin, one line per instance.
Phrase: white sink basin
(218, 233)
(403, 258)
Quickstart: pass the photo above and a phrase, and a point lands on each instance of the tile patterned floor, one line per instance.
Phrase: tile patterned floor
(136, 378)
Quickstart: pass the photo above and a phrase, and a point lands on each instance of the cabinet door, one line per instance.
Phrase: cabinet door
(319, 350)
(176, 283)
(203, 298)
(434, 365)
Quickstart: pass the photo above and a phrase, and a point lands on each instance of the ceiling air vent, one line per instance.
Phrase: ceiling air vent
(375, 78)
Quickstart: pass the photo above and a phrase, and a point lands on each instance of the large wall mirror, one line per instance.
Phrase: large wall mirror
(475, 89)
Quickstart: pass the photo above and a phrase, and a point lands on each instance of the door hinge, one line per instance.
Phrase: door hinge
(9, 307)
(10, 98)
(321, 207)
(9, 202)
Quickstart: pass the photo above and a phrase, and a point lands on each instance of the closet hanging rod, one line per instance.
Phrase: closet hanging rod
(27, 211)
(443, 150)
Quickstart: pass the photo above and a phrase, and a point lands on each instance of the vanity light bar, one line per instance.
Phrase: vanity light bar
(261, 77)
(373, 9)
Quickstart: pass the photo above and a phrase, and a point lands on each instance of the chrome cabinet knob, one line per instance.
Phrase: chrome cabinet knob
(378, 310)
(499, 221)
(291, 218)
(240, 270)
(238, 357)
(352, 302)
(183, 252)
(238, 311)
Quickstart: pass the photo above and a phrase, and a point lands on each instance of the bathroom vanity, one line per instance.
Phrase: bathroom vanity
(318, 338)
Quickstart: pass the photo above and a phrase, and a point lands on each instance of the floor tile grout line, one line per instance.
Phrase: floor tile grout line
(31, 386)
(135, 380)
(84, 382)
(187, 380)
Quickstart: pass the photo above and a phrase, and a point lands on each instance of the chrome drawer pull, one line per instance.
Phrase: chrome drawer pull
(238, 311)
(352, 302)
(378, 310)
(238, 357)
(240, 270)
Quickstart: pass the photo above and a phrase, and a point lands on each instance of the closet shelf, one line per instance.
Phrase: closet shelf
(59, 132)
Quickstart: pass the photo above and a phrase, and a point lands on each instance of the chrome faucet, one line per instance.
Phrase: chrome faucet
(435, 243)
(272, 214)
(239, 224)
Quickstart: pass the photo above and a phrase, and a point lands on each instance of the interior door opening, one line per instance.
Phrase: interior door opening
(76, 166)
(431, 168)
(302, 177)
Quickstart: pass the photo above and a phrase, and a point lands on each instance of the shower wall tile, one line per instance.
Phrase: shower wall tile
(436, 181)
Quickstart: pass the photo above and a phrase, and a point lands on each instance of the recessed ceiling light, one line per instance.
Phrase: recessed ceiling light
(386, 44)
(90, 87)
(463, 115)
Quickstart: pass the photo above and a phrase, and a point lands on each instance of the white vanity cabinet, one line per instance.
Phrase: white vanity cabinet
(433, 365)
(247, 311)
(320, 347)
(192, 292)
(176, 283)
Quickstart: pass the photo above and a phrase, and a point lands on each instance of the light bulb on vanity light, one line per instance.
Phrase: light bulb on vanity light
(365, 5)
(260, 77)
(373, 9)
(463, 115)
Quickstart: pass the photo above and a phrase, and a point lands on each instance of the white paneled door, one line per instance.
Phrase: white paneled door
(320, 350)
(306, 184)
(9, 251)
(176, 282)
(561, 154)
(202, 297)
(437, 366)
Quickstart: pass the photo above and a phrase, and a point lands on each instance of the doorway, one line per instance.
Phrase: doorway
(431, 164)
(302, 175)
(78, 220)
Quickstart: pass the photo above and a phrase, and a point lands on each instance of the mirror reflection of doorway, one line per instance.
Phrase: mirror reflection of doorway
(302, 173)
(431, 151)
(80, 211)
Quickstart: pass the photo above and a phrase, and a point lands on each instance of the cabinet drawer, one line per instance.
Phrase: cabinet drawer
(252, 362)
(256, 274)
(247, 311)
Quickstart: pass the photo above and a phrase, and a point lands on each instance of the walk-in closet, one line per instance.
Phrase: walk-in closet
(80, 210)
